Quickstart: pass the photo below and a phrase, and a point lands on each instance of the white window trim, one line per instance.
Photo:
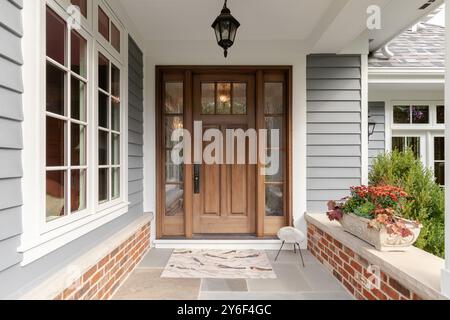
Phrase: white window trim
(426, 132)
(38, 237)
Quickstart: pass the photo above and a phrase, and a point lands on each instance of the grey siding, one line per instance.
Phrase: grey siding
(10, 131)
(377, 142)
(135, 127)
(14, 278)
(333, 128)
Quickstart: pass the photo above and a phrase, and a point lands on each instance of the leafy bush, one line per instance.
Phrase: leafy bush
(404, 170)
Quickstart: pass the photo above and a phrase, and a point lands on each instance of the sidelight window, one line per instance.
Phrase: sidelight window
(274, 110)
(174, 173)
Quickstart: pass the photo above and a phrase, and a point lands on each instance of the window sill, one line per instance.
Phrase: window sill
(44, 244)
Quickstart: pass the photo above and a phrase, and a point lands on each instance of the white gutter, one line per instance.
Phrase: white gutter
(407, 75)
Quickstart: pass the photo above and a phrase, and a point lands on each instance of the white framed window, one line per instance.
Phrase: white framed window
(109, 115)
(61, 189)
(419, 125)
(413, 142)
(439, 158)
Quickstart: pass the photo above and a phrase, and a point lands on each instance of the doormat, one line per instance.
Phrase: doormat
(219, 264)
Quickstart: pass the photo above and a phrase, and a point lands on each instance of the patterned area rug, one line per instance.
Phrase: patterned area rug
(219, 264)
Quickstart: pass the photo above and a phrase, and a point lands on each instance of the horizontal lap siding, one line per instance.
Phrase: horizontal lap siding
(333, 128)
(377, 142)
(135, 128)
(11, 117)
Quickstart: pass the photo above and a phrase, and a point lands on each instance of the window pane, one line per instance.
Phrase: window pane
(55, 195)
(55, 88)
(103, 73)
(174, 172)
(273, 98)
(115, 183)
(239, 98)
(276, 166)
(439, 148)
(420, 114)
(102, 148)
(115, 115)
(274, 200)
(440, 110)
(208, 98)
(223, 104)
(78, 190)
(115, 149)
(115, 37)
(115, 81)
(439, 173)
(78, 146)
(103, 23)
(398, 144)
(55, 138)
(402, 114)
(174, 98)
(56, 37)
(413, 143)
(275, 123)
(78, 56)
(174, 200)
(172, 123)
(103, 108)
(82, 4)
(78, 99)
(103, 180)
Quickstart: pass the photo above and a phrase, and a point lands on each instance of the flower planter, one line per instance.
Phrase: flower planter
(380, 239)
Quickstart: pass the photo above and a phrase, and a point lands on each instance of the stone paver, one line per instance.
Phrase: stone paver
(313, 282)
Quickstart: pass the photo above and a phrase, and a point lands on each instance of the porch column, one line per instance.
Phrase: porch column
(445, 281)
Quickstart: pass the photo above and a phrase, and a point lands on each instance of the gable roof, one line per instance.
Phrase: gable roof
(424, 48)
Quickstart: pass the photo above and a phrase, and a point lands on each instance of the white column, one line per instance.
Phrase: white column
(445, 281)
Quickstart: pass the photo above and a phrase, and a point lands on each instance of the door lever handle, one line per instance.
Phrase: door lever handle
(197, 179)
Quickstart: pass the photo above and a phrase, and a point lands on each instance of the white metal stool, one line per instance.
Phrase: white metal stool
(291, 235)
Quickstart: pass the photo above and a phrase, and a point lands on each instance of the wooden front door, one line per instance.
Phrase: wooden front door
(224, 194)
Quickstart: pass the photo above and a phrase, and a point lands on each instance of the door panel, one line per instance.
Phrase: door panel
(226, 202)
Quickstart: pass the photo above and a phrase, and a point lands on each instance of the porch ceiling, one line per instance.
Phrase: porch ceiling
(317, 26)
(191, 19)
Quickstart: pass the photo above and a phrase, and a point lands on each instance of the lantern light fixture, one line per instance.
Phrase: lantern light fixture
(225, 27)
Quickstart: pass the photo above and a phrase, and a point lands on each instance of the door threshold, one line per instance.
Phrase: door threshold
(219, 244)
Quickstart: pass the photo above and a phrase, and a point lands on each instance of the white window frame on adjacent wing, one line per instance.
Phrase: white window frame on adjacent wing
(426, 132)
(39, 237)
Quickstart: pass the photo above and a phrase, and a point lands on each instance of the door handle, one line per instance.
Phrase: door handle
(197, 179)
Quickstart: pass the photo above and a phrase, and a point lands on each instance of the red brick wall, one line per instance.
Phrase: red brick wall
(364, 281)
(102, 279)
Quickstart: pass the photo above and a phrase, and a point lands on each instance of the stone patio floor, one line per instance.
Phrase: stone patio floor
(294, 282)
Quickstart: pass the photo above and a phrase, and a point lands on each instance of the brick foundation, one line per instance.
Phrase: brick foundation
(353, 271)
(103, 278)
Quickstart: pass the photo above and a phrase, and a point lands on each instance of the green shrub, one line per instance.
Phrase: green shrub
(404, 170)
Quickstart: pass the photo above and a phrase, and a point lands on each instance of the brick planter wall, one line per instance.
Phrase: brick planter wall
(353, 271)
(103, 279)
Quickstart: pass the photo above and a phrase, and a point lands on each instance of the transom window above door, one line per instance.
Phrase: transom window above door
(224, 98)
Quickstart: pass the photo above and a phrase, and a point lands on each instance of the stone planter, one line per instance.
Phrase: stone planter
(380, 239)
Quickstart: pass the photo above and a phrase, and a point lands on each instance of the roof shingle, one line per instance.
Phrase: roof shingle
(424, 48)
